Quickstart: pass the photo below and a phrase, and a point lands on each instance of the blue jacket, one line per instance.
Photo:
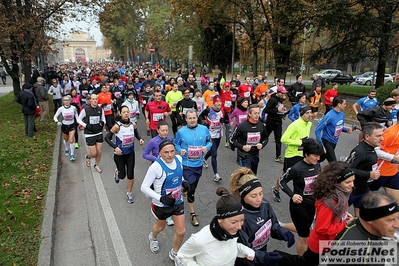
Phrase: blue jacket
(332, 125)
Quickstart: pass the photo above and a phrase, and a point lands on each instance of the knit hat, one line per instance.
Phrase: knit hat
(304, 109)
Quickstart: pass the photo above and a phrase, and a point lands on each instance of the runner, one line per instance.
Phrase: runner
(216, 243)
(92, 118)
(166, 175)
(260, 223)
(249, 138)
(201, 105)
(183, 105)
(214, 117)
(133, 105)
(155, 111)
(105, 101)
(124, 155)
(172, 98)
(192, 142)
(68, 125)
(302, 203)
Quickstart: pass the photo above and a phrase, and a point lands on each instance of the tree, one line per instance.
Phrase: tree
(363, 29)
(28, 27)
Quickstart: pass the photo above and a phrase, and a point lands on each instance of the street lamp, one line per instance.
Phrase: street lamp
(303, 50)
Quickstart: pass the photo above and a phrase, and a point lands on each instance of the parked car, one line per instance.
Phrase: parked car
(365, 74)
(367, 80)
(328, 73)
(341, 79)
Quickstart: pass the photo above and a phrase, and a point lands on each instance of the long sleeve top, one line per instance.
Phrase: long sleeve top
(331, 125)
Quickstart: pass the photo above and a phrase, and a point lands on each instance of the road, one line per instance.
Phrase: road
(96, 226)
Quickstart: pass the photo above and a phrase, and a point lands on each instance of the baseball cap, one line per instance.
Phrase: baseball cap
(281, 89)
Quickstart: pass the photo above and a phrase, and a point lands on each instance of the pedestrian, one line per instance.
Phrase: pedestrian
(172, 98)
(302, 203)
(260, 223)
(363, 158)
(166, 176)
(332, 124)
(55, 90)
(295, 89)
(155, 111)
(294, 137)
(124, 156)
(275, 111)
(92, 118)
(329, 96)
(249, 138)
(68, 125)
(192, 142)
(29, 103)
(3, 75)
(42, 97)
(214, 117)
(216, 243)
(331, 190)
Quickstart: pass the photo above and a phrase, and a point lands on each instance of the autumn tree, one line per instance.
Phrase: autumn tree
(363, 29)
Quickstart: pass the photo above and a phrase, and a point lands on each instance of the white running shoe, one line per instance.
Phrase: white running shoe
(154, 246)
(205, 164)
(169, 221)
(173, 256)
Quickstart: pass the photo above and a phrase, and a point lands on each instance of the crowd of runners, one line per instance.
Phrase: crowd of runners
(103, 100)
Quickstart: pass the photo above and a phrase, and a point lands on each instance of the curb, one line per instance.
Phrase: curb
(46, 255)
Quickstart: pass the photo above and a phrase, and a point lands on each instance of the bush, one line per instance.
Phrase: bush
(385, 91)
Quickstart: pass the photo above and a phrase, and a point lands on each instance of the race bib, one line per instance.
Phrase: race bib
(175, 192)
(127, 140)
(338, 130)
(262, 236)
(227, 103)
(185, 110)
(194, 153)
(157, 117)
(144, 101)
(308, 185)
(247, 94)
(213, 95)
(132, 114)
(68, 116)
(108, 107)
(174, 104)
(67, 90)
(242, 118)
(215, 125)
(118, 94)
(233, 97)
(253, 138)
(94, 120)
(84, 93)
(199, 106)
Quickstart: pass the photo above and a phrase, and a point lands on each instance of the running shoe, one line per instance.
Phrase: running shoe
(193, 219)
(76, 145)
(276, 195)
(66, 152)
(148, 132)
(354, 127)
(279, 160)
(154, 246)
(116, 175)
(169, 221)
(216, 177)
(72, 158)
(173, 256)
(227, 144)
(98, 169)
(129, 197)
(87, 161)
(205, 164)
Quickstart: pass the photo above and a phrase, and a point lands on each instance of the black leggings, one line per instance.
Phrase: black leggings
(277, 128)
(125, 165)
(330, 151)
(190, 195)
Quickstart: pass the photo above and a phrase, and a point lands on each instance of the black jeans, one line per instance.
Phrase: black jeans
(277, 128)
(174, 117)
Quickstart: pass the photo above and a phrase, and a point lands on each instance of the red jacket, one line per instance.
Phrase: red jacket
(329, 95)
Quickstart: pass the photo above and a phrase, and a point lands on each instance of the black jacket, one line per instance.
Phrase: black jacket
(294, 89)
(271, 109)
(28, 102)
(240, 136)
(376, 114)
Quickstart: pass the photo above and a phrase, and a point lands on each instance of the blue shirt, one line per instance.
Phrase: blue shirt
(332, 125)
(294, 112)
(367, 103)
(190, 140)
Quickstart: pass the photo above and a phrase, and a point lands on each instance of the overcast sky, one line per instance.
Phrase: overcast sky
(85, 26)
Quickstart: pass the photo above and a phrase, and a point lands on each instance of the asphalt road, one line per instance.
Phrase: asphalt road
(96, 226)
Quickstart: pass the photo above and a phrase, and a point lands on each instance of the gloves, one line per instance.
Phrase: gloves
(186, 186)
(272, 258)
(289, 238)
(167, 199)
(306, 140)
(59, 123)
(89, 127)
(105, 104)
(101, 124)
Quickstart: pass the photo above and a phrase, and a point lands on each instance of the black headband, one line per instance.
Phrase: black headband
(229, 211)
(248, 187)
(379, 212)
(164, 143)
(348, 172)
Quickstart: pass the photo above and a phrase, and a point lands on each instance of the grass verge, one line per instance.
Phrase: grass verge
(25, 164)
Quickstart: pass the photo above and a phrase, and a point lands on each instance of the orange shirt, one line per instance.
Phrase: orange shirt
(261, 89)
(208, 97)
(105, 97)
(390, 144)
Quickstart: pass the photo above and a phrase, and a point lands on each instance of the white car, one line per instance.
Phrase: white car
(368, 79)
(327, 74)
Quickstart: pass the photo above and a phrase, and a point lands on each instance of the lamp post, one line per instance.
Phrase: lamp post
(303, 50)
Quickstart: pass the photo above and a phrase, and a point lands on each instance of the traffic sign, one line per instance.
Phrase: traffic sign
(170, 60)
(152, 49)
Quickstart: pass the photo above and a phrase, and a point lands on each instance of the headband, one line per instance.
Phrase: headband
(229, 211)
(248, 187)
(164, 143)
(379, 212)
(345, 174)
(304, 109)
